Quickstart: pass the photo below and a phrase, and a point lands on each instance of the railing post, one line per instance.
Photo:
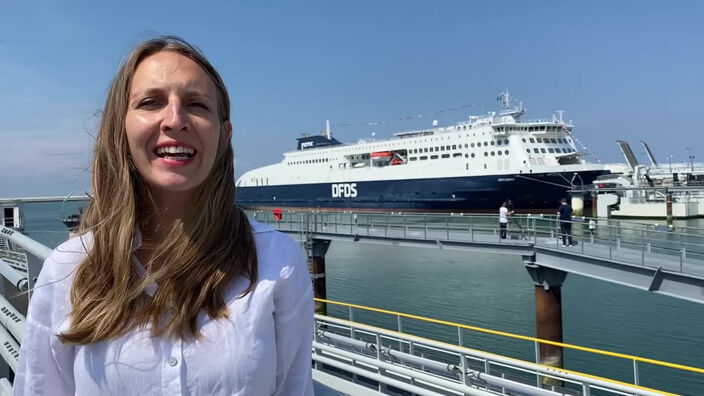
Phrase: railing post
(471, 228)
(351, 317)
(447, 226)
(400, 330)
(537, 361)
(636, 377)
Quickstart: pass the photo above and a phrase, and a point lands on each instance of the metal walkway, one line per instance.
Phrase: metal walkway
(372, 358)
(628, 253)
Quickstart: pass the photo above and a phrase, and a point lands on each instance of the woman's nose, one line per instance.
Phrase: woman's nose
(175, 117)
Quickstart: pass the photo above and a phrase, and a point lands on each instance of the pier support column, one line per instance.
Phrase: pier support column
(548, 313)
(316, 249)
(668, 205)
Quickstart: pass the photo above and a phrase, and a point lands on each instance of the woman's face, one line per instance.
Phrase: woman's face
(172, 123)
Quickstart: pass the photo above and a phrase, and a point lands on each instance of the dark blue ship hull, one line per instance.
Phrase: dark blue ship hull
(529, 192)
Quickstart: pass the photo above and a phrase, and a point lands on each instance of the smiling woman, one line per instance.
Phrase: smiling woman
(168, 272)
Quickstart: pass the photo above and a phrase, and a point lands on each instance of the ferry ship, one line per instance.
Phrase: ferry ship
(474, 165)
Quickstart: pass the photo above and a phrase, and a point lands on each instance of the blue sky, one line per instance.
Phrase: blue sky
(627, 70)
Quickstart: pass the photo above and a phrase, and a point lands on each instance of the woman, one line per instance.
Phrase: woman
(169, 290)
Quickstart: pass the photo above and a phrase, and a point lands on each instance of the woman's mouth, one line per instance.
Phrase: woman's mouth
(175, 153)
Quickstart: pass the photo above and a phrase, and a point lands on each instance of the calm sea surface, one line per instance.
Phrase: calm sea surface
(495, 292)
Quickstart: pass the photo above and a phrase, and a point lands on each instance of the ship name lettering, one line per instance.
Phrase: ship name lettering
(344, 190)
(306, 144)
(504, 179)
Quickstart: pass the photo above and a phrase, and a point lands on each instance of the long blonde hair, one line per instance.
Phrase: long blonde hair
(201, 255)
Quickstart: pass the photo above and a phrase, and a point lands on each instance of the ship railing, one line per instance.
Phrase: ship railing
(390, 348)
(628, 242)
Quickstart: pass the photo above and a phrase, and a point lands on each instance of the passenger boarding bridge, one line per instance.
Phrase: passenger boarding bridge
(657, 259)
(361, 350)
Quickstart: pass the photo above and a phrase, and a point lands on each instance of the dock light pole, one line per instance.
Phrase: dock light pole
(691, 158)
(669, 161)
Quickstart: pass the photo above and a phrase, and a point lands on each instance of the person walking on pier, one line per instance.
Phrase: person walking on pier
(564, 214)
(504, 213)
(170, 289)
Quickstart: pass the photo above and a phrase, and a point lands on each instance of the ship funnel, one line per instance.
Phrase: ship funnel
(328, 134)
(651, 157)
(628, 153)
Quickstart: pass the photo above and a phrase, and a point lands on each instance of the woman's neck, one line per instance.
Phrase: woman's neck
(160, 212)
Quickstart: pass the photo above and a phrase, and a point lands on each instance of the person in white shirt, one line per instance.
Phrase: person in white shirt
(170, 289)
(504, 213)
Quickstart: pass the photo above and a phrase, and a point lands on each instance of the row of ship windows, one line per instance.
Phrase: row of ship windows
(551, 150)
(538, 128)
(310, 161)
(454, 147)
(455, 155)
(548, 140)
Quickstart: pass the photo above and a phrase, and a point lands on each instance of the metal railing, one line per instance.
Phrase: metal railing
(616, 240)
(457, 367)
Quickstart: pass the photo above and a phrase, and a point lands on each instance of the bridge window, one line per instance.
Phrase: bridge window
(412, 158)
(551, 150)
(532, 140)
(542, 150)
(446, 156)
(535, 150)
(423, 157)
(455, 155)
(539, 140)
(433, 157)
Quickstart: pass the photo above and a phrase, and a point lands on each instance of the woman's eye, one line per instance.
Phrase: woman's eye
(200, 105)
(147, 103)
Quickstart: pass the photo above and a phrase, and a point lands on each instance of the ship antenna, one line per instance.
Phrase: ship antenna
(505, 99)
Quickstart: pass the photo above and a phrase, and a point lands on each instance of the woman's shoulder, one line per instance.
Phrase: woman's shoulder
(276, 251)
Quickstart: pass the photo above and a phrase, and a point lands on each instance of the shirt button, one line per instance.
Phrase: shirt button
(173, 361)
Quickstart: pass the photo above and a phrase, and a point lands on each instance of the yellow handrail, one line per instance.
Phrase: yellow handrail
(520, 337)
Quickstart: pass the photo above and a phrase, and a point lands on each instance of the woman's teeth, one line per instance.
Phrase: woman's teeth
(175, 152)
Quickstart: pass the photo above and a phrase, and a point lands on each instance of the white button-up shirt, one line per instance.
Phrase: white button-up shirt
(263, 348)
